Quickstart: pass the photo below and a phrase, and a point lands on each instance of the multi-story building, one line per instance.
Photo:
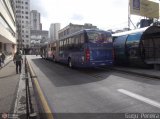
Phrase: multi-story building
(53, 31)
(35, 20)
(22, 9)
(7, 28)
(71, 28)
(38, 38)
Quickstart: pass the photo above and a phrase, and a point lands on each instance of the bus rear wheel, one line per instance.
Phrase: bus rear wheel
(54, 59)
(70, 63)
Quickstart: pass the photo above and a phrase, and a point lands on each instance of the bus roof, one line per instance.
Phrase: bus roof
(81, 31)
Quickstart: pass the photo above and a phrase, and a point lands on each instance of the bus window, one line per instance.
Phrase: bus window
(77, 40)
(82, 39)
(67, 41)
(70, 41)
(92, 37)
(99, 37)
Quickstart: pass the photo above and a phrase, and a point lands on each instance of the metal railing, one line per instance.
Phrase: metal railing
(29, 108)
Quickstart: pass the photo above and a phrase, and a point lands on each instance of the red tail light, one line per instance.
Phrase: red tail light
(87, 55)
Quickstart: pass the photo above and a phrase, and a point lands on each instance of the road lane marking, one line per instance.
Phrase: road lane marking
(141, 98)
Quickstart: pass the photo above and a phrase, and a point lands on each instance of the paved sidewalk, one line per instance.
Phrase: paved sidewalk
(8, 87)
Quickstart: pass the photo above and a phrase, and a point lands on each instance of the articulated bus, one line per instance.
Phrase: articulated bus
(86, 48)
(48, 51)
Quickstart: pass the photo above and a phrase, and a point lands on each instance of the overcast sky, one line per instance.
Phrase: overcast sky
(105, 14)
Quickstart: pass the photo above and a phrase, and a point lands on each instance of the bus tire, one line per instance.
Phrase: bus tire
(70, 63)
(54, 59)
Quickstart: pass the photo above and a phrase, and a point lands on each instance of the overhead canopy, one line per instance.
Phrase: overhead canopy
(152, 29)
(145, 30)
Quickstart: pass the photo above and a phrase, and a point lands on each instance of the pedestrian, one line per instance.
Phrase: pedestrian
(0, 61)
(36, 53)
(18, 61)
(3, 58)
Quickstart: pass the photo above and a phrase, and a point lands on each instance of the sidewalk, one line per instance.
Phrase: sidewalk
(8, 86)
(13, 90)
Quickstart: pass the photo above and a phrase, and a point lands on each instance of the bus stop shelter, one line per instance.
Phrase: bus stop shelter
(140, 45)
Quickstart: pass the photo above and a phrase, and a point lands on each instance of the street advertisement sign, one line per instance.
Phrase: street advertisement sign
(146, 8)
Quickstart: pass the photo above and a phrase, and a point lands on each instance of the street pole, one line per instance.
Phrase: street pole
(129, 14)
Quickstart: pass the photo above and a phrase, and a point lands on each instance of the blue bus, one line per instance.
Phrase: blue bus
(86, 48)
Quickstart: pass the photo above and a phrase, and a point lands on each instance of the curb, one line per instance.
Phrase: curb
(137, 73)
(42, 99)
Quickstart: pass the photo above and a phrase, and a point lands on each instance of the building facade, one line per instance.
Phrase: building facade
(53, 31)
(71, 28)
(7, 28)
(38, 38)
(35, 20)
(22, 9)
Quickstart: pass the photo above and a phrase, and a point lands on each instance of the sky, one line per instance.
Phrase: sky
(105, 14)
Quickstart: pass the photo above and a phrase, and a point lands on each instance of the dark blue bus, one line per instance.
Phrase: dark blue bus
(86, 48)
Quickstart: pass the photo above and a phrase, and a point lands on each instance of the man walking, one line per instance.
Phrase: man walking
(0, 61)
(3, 58)
(18, 60)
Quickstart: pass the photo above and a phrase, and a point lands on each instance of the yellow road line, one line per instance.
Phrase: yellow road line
(41, 95)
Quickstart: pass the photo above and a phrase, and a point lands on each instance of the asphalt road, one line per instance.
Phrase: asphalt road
(95, 90)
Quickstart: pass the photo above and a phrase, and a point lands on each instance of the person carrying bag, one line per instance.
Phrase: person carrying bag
(18, 61)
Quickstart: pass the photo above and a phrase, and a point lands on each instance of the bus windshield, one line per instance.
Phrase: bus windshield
(99, 37)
